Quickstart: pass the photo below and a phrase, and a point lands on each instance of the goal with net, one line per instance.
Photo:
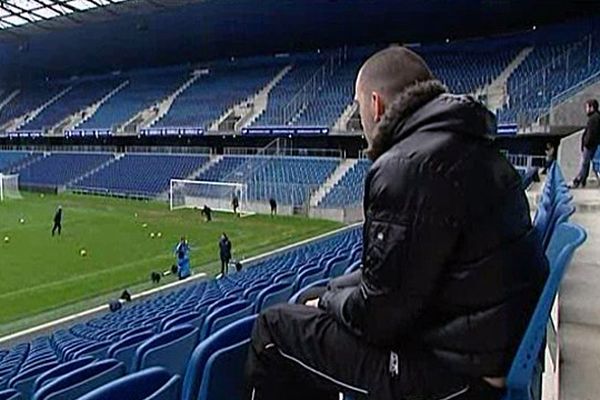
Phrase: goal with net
(217, 195)
(9, 187)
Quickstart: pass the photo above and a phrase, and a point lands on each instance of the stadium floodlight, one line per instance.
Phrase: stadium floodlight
(218, 196)
(9, 187)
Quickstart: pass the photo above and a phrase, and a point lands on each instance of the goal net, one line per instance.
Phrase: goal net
(9, 187)
(217, 195)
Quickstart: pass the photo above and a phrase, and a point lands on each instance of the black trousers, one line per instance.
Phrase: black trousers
(299, 352)
(57, 227)
(224, 265)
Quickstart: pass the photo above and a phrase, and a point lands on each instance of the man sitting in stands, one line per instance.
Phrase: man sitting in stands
(452, 269)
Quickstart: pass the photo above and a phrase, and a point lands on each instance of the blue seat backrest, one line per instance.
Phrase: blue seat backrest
(355, 266)
(10, 394)
(193, 318)
(233, 333)
(60, 370)
(225, 315)
(276, 293)
(170, 349)
(82, 380)
(96, 350)
(223, 376)
(125, 349)
(25, 381)
(338, 265)
(149, 384)
(253, 291)
(308, 276)
(565, 239)
(299, 293)
(220, 303)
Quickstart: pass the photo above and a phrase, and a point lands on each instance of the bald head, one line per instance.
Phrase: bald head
(390, 71)
(381, 79)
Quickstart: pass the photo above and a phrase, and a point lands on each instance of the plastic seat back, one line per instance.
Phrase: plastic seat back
(125, 349)
(296, 296)
(223, 376)
(224, 316)
(192, 318)
(60, 370)
(231, 334)
(276, 293)
(25, 381)
(149, 384)
(565, 240)
(170, 350)
(81, 381)
(11, 394)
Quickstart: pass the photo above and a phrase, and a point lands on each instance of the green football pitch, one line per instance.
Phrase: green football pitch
(44, 277)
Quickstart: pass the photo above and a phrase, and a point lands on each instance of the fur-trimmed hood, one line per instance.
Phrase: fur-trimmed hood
(427, 106)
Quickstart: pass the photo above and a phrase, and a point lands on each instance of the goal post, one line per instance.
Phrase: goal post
(9, 187)
(184, 193)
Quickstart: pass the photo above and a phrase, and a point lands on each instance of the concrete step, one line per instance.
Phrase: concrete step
(341, 170)
(580, 356)
(496, 91)
(74, 121)
(165, 105)
(580, 306)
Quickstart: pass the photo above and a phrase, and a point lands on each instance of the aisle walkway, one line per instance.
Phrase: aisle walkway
(580, 307)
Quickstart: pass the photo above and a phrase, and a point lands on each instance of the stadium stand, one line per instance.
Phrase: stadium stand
(318, 88)
(49, 365)
(28, 99)
(289, 180)
(281, 95)
(80, 96)
(564, 60)
(58, 169)
(10, 160)
(348, 190)
(145, 89)
(464, 68)
(140, 174)
(60, 362)
(215, 92)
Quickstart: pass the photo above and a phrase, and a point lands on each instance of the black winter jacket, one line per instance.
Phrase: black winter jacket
(450, 260)
(591, 136)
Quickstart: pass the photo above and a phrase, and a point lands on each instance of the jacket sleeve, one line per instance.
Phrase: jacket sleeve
(591, 135)
(412, 226)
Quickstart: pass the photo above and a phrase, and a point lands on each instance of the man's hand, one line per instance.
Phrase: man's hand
(312, 303)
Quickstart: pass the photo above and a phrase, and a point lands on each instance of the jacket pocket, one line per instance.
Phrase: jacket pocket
(384, 238)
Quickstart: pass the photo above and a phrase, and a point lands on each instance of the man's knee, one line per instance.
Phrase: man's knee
(278, 322)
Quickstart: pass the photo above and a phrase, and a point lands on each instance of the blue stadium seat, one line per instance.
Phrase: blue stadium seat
(192, 318)
(224, 316)
(276, 293)
(223, 376)
(353, 267)
(60, 370)
(96, 350)
(124, 350)
(170, 349)
(299, 293)
(233, 333)
(25, 381)
(80, 381)
(149, 384)
(10, 394)
(565, 240)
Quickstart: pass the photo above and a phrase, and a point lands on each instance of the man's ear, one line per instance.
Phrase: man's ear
(377, 105)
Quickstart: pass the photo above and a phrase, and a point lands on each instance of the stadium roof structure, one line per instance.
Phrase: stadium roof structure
(58, 39)
(28, 16)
